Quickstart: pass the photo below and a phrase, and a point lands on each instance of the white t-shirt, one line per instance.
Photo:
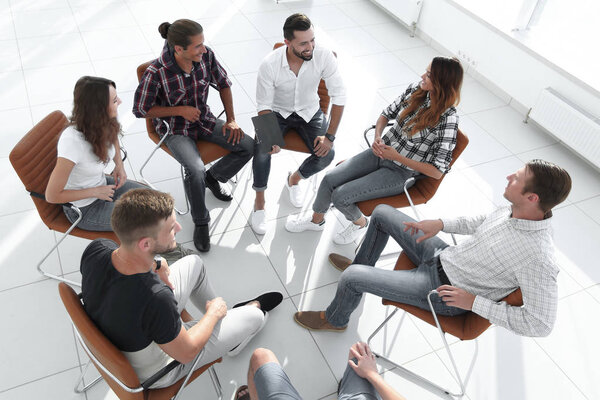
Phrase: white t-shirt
(88, 170)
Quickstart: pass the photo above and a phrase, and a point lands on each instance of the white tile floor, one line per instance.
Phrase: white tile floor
(46, 45)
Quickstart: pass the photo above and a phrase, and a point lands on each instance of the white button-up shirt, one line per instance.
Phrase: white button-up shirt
(280, 90)
(503, 254)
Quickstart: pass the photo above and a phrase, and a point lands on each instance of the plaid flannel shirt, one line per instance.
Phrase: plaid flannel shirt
(165, 84)
(432, 145)
(503, 254)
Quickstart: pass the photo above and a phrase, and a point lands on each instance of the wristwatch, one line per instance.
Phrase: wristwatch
(158, 262)
(330, 137)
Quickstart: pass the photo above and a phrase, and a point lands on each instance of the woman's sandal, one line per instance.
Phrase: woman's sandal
(245, 396)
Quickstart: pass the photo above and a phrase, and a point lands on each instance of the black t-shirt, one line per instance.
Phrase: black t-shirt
(131, 310)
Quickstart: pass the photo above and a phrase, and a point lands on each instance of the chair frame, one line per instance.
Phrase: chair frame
(57, 118)
(419, 379)
(80, 387)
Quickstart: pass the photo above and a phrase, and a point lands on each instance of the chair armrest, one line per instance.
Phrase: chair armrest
(370, 128)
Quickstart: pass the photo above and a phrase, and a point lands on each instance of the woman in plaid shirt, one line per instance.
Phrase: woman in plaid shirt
(420, 142)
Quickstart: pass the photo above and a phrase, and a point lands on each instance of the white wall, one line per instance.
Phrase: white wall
(499, 59)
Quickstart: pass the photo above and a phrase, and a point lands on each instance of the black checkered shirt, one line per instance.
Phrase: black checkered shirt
(165, 84)
(432, 145)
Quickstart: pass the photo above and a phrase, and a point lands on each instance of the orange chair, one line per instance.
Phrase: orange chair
(423, 189)
(34, 158)
(209, 152)
(467, 326)
(292, 139)
(114, 367)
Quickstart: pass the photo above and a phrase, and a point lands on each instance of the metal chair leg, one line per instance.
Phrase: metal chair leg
(39, 265)
(80, 380)
(420, 380)
(215, 381)
(147, 182)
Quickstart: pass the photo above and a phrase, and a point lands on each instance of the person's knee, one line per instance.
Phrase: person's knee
(328, 158)
(261, 357)
(382, 212)
(195, 169)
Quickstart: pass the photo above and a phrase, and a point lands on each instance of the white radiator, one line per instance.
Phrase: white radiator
(406, 11)
(569, 123)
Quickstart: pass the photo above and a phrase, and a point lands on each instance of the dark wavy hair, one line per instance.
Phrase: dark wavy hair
(446, 77)
(90, 114)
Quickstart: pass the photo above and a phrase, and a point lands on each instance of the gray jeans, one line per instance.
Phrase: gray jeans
(410, 286)
(185, 151)
(362, 177)
(272, 383)
(96, 216)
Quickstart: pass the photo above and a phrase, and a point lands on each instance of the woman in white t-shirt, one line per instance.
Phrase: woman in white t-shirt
(84, 150)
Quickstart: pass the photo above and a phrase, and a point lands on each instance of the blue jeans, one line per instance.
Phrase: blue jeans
(362, 177)
(96, 216)
(410, 286)
(317, 126)
(185, 151)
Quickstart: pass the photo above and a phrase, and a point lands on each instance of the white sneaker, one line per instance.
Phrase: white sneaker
(258, 222)
(303, 224)
(350, 234)
(296, 195)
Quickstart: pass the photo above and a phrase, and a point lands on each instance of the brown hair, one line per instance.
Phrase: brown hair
(446, 78)
(90, 114)
(179, 32)
(550, 182)
(295, 22)
(138, 212)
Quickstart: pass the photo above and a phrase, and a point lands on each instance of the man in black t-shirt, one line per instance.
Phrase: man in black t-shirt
(136, 301)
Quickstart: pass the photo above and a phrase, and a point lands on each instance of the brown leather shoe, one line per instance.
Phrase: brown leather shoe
(339, 261)
(316, 321)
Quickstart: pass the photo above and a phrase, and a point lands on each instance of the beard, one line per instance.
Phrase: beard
(165, 249)
(299, 55)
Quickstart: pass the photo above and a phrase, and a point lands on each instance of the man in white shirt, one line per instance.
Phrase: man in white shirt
(507, 249)
(287, 84)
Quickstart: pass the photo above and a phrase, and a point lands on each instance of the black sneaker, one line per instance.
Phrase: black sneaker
(268, 301)
(217, 190)
(201, 238)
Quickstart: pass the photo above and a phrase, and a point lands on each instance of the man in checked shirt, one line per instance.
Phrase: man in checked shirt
(173, 92)
(508, 249)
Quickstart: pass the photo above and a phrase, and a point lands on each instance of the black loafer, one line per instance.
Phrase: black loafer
(201, 238)
(217, 189)
(268, 301)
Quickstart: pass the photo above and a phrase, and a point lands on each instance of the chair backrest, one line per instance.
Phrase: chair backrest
(423, 189)
(465, 326)
(209, 152)
(324, 99)
(34, 158)
(104, 351)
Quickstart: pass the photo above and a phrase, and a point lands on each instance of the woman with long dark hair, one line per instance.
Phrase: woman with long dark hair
(84, 149)
(420, 142)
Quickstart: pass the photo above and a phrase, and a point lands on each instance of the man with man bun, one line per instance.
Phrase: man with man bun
(173, 92)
